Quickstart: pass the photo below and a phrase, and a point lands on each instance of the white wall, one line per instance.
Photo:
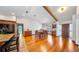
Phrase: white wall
(74, 28)
(66, 22)
(58, 29)
(28, 24)
(77, 27)
(47, 26)
(77, 30)
(11, 18)
(59, 26)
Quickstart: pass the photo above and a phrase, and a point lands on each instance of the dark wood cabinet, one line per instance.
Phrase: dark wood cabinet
(27, 33)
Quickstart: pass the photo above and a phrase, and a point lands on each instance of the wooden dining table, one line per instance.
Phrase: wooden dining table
(5, 37)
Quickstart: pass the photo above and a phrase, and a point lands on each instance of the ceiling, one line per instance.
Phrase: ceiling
(37, 13)
(65, 16)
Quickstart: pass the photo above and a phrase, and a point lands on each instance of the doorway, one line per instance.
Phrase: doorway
(65, 30)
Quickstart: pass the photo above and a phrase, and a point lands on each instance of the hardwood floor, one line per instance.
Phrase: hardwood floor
(49, 44)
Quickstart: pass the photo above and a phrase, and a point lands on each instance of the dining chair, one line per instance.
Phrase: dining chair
(11, 45)
(36, 35)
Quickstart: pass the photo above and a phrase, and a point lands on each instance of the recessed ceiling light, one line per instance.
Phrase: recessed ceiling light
(62, 9)
(13, 14)
(26, 11)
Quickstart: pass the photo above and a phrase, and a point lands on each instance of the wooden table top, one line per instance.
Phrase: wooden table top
(5, 37)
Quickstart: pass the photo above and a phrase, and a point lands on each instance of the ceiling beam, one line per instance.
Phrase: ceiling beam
(50, 13)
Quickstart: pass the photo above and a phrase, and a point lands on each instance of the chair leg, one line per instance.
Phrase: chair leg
(17, 49)
(17, 46)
